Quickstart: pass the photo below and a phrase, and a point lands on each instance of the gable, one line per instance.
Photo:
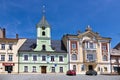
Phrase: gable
(88, 35)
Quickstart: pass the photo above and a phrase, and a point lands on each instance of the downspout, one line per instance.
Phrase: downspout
(18, 62)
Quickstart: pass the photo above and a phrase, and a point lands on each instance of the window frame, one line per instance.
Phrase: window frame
(10, 46)
(53, 69)
(74, 57)
(43, 58)
(34, 68)
(74, 45)
(24, 57)
(61, 58)
(34, 57)
(61, 69)
(25, 68)
(90, 57)
(105, 58)
(52, 58)
(10, 58)
(2, 57)
(3, 46)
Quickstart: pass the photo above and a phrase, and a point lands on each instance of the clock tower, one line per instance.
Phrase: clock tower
(43, 36)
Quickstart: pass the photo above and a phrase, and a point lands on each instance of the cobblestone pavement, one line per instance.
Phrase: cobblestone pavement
(56, 77)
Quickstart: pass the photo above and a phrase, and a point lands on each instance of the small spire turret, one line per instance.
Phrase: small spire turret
(88, 28)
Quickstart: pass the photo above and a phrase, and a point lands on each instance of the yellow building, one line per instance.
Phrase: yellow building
(88, 51)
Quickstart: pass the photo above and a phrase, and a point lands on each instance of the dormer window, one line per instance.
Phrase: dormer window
(43, 27)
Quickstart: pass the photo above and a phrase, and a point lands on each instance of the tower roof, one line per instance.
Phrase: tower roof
(43, 22)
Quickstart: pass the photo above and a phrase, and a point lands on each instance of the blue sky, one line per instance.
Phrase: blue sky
(64, 16)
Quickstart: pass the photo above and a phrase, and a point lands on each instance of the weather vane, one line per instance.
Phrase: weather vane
(43, 10)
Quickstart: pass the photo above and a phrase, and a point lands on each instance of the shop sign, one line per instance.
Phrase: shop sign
(8, 64)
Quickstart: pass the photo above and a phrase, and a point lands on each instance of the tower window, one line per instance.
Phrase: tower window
(43, 33)
(43, 47)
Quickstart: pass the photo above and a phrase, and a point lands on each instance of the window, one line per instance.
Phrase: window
(52, 58)
(98, 68)
(74, 46)
(34, 57)
(2, 57)
(34, 69)
(74, 57)
(25, 68)
(90, 57)
(26, 57)
(74, 67)
(43, 47)
(82, 67)
(53, 69)
(91, 45)
(87, 44)
(43, 58)
(104, 58)
(104, 46)
(61, 69)
(10, 57)
(43, 33)
(115, 69)
(3, 46)
(105, 68)
(10, 46)
(61, 58)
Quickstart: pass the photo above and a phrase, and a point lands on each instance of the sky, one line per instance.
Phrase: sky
(64, 16)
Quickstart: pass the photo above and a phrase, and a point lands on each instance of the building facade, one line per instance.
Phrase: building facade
(9, 53)
(43, 55)
(88, 51)
(115, 59)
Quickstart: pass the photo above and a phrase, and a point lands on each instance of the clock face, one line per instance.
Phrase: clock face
(43, 27)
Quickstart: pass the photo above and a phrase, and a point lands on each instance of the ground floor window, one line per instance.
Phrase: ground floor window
(25, 68)
(34, 69)
(53, 69)
(61, 69)
(105, 68)
(115, 69)
(82, 67)
(98, 68)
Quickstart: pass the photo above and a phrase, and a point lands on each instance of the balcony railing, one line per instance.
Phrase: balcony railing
(94, 60)
(89, 48)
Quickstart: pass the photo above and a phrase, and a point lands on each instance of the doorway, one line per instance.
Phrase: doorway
(9, 69)
(90, 67)
(43, 69)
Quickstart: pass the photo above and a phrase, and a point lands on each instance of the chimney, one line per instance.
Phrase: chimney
(16, 36)
(4, 33)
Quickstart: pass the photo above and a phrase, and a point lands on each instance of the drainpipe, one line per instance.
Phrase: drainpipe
(18, 62)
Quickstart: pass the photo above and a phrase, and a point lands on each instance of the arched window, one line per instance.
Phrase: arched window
(104, 58)
(43, 47)
(74, 67)
(74, 57)
(43, 33)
